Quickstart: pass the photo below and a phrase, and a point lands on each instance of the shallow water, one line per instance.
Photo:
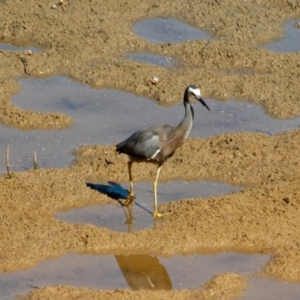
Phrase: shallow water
(119, 218)
(268, 289)
(108, 116)
(290, 42)
(168, 30)
(135, 272)
(17, 48)
(159, 60)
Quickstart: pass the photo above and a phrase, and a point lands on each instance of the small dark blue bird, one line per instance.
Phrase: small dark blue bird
(157, 144)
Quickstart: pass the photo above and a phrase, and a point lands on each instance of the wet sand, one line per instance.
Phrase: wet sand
(87, 41)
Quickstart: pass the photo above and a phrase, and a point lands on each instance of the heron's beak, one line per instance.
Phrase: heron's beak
(203, 103)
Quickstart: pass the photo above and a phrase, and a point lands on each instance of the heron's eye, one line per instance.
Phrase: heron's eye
(196, 92)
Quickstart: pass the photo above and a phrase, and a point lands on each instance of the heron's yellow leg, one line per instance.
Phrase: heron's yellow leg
(156, 214)
(131, 192)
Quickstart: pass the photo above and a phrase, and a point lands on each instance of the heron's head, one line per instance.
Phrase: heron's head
(195, 91)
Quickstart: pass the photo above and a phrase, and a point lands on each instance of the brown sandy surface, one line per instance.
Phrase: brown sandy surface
(86, 41)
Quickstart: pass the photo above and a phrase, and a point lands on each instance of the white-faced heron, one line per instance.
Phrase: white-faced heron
(157, 144)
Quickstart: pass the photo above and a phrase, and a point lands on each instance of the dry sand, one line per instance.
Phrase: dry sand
(86, 41)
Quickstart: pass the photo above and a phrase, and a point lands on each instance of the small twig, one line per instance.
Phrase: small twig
(35, 164)
(7, 162)
(32, 286)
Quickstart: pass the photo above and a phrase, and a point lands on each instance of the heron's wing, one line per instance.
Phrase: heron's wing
(142, 144)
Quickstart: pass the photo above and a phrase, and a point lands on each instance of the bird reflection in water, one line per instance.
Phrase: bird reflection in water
(141, 272)
(144, 272)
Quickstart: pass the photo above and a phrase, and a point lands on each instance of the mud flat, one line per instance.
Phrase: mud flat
(89, 42)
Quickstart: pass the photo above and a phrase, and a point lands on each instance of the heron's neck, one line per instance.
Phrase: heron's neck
(186, 124)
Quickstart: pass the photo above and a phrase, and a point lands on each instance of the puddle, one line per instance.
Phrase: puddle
(234, 116)
(17, 48)
(108, 116)
(161, 30)
(242, 72)
(139, 216)
(262, 289)
(163, 61)
(291, 41)
(136, 272)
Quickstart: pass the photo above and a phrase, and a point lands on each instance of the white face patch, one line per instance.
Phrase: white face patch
(195, 91)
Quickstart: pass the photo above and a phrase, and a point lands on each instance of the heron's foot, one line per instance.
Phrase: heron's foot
(129, 200)
(158, 215)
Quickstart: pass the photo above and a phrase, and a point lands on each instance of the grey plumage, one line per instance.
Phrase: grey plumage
(157, 144)
(144, 144)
